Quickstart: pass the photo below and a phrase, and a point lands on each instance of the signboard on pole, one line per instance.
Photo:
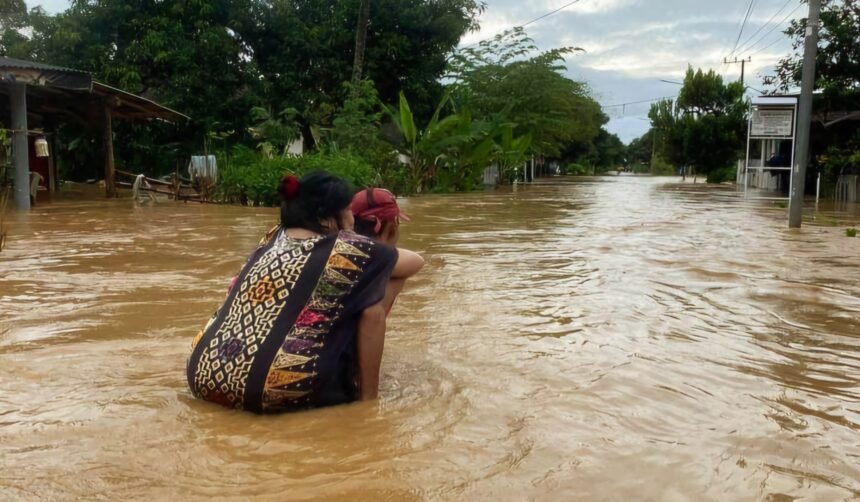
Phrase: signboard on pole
(772, 123)
(770, 145)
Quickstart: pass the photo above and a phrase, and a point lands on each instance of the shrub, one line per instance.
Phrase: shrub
(250, 178)
(575, 169)
(660, 167)
(352, 168)
(640, 168)
(722, 175)
(393, 175)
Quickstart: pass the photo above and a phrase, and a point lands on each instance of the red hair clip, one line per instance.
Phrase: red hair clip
(289, 187)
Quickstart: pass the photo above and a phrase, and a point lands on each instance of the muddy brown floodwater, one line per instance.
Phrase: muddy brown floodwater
(606, 339)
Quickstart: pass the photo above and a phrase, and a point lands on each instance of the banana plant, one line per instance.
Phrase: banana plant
(417, 146)
(511, 151)
(274, 131)
(453, 147)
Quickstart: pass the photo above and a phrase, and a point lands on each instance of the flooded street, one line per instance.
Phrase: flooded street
(607, 339)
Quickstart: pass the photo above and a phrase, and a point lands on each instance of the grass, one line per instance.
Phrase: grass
(851, 232)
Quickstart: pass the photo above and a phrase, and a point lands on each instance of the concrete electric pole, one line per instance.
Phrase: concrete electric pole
(804, 117)
(18, 107)
(743, 63)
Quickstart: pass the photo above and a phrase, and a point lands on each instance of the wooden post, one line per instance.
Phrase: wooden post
(177, 185)
(110, 175)
(532, 174)
(53, 182)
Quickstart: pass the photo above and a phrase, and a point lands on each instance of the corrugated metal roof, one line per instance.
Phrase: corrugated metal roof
(151, 106)
(20, 64)
(57, 82)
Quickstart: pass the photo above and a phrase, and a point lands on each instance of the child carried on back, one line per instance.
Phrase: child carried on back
(378, 216)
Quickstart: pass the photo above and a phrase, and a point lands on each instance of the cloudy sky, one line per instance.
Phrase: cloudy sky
(632, 44)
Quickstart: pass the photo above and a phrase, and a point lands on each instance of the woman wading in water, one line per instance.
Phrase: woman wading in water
(304, 324)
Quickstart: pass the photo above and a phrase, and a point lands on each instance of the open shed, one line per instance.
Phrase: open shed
(34, 97)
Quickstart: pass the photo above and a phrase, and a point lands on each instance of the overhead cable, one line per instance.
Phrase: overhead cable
(528, 23)
(763, 26)
(750, 9)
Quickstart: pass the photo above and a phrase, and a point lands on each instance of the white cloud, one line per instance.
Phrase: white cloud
(598, 6)
(632, 44)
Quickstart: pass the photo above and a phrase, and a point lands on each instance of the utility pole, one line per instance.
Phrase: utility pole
(804, 116)
(743, 63)
(360, 42)
(21, 161)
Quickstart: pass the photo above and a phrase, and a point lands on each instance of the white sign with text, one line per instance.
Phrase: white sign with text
(772, 124)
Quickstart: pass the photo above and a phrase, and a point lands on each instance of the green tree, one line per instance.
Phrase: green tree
(249, 70)
(640, 150)
(641, 158)
(837, 146)
(609, 151)
(503, 79)
(838, 63)
(360, 41)
(604, 152)
(13, 19)
(304, 50)
(357, 129)
(357, 123)
(704, 128)
(182, 53)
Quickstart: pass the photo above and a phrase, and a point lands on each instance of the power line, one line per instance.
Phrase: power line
(621, 105)
(786, 18)
(548, 14)
(744, 25)
(533, 21)
(786, 4)
(729, 43)
(768, 46)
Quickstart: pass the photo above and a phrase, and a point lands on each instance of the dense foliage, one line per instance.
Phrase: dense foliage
(256, 76)
(837, 66)
(507, 80)
(704, 128)
(251, 179)
(641, 150)
(503, 79)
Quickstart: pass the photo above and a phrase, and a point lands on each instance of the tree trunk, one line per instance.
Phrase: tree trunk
(360, 41)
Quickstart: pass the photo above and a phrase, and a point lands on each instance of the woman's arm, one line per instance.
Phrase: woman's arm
(408, 264)
(371, 341)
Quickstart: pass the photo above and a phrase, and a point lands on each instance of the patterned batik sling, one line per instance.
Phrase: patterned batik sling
(285, 337)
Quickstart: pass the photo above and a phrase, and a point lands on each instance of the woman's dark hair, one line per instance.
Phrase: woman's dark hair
(315, 197)
(366, 228)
